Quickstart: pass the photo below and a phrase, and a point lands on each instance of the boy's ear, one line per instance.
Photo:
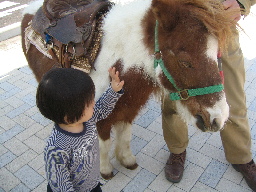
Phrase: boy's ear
(166, 12)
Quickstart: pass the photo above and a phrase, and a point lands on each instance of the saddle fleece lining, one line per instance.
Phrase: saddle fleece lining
(31, 37)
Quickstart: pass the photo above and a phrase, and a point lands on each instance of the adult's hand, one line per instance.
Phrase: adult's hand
(232, 5)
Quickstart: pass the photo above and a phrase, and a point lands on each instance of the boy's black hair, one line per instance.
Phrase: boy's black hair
(63, 94)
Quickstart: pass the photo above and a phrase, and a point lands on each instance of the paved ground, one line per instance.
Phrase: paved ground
(10, 17)
(23, 132)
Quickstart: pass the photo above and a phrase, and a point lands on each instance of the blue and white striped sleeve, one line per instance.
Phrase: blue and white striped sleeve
(106, 103)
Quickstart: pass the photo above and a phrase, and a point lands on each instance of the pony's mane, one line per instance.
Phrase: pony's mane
(215, 18)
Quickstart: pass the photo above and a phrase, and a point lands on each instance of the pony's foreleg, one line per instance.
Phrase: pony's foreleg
(105, 165)
(123, 151)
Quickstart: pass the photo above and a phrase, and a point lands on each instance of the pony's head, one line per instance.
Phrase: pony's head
(189, 34)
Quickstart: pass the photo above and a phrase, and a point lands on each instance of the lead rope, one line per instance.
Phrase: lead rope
(220, 66)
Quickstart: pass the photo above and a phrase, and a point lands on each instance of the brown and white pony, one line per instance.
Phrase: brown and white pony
(190, 33)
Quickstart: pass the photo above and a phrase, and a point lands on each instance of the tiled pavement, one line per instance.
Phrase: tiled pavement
(23, 132)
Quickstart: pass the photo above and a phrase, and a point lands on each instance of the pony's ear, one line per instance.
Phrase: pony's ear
(166, 12)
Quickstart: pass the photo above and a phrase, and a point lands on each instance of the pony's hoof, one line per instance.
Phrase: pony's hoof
(107, 176)
(132, 167)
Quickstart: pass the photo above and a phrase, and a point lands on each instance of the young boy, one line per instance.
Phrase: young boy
(66, 96)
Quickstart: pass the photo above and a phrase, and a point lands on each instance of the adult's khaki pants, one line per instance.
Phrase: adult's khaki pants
(236, 136)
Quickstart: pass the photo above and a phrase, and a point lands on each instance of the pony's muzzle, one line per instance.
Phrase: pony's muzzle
(204, 124)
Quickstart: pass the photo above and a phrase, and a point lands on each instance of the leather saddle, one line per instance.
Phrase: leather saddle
(69, 25)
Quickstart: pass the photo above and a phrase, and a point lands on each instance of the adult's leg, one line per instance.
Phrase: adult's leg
(236, 136)
(174, 128)
(176, 137)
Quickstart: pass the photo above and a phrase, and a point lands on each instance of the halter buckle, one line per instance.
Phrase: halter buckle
(184, 95)
(158, 55)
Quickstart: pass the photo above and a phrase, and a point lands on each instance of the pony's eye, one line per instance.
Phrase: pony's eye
(186, 64)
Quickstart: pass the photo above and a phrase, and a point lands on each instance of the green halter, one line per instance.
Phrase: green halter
(188, 92)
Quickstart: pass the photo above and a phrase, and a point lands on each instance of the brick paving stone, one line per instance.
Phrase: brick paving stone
(154, 146)
(6, 158)
(253, 131)
(1, 92)
(142, 132)
(45, 132)
(3, 150)
(35, 143)
(232, 175)
(37, 162)
(21, 161)
(25, 91)
(213, 173)
(160, 184)
(29, 99)
(156, 127)
(24, 120)
(146, 162)
(153, 105)
(14, 102)
(191, 175)
(6, 86)
(20, 188)
(41, 187)
(202, 187)
(244, 185)
(18, 111)
(215, 140)
(22, 84)
(10, 133)
(137, 144)
(198, 158)
(40, 119)
(16, 146)
(224, 185)
(2, 103)
(199, 139)
(140, 182)
(33, 129)
(26, 70)
(41, 171)
(162, 155)
(148, 190)
(7, 123)
(119, 168)
(5, 110)
(175, 188)
(32, 111)
(214, 152)
(252, 106)
(9, 93)
(15, 79)
(146, 119)
(29, 177)
(117, 183)
(7, 180)
(1, 130)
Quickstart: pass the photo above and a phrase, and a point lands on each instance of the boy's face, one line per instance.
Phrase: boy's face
(88, 112)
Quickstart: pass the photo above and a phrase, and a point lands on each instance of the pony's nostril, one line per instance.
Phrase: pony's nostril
(200, 123)
(215, 125)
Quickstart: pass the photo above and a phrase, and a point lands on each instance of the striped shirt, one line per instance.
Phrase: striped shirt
(72, 159)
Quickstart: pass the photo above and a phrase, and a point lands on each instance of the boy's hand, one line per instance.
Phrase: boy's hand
(116, 84)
